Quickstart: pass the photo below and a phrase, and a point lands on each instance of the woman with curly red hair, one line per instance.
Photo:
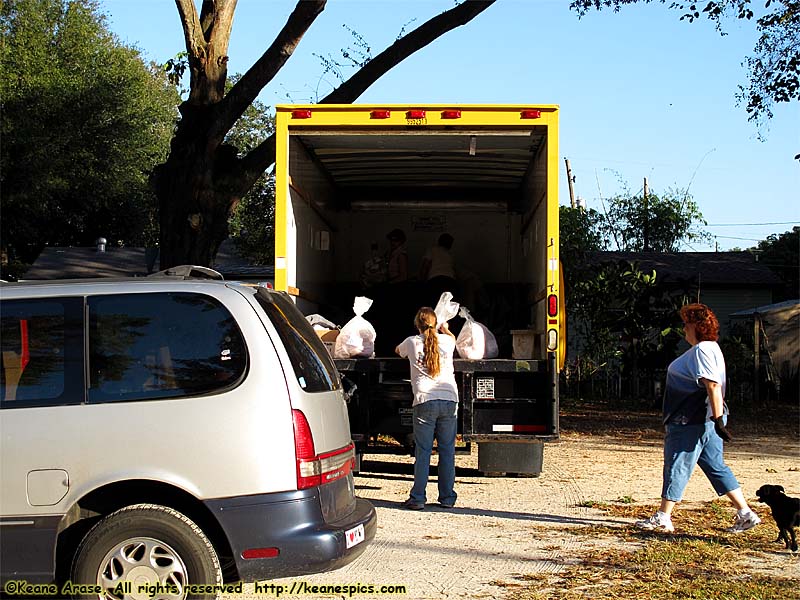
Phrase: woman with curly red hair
(694, 417)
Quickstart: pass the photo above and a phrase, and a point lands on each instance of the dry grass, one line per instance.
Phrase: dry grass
(702, 561)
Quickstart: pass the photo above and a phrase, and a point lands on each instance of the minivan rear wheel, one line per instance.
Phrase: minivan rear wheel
(146, 548)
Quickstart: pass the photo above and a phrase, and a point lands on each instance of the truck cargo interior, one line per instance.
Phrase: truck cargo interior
(485, 187)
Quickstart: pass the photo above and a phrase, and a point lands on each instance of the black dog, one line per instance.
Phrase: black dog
(785, 511)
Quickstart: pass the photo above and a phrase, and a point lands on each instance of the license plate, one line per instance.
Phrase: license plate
(354, 536)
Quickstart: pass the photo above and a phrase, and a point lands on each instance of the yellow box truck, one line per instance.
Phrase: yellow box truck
(487, 175)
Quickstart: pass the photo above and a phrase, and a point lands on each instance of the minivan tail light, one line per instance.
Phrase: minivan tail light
(318, 469)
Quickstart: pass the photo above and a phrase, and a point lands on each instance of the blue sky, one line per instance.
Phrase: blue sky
(642, 94)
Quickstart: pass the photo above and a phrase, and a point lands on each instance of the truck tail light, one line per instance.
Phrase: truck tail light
(530, 114)
(318, 469)
(301, 114)
(552, 305)
(552, 339)
(451, 114)
(380, 114)
(415, 114)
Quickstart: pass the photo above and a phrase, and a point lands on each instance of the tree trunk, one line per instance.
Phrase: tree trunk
(203, 179)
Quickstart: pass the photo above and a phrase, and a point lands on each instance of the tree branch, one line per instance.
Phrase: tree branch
(407, 45)
(192, 31)
(265, 68)
(262, 156)
(216, 19)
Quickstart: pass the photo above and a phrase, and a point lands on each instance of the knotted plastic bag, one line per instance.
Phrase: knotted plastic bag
(445, 309)
(475, 341)
(357, 337)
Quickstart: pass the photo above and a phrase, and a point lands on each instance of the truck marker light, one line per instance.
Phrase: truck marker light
(415, 114)
(552, 339)
(380, 114)
(552, 305)
(451, 114)
(301, 114)
(251, 553)
(530, 114)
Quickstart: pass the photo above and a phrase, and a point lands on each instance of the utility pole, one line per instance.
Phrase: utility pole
(646, 232)
(570, 180)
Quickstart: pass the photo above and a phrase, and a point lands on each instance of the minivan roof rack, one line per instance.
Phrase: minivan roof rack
(189, 272)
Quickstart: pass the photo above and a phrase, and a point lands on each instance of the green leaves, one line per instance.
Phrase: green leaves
(84, 120)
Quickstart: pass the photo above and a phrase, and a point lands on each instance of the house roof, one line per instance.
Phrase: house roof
(792, 306)
(56, 262)
(708, 268)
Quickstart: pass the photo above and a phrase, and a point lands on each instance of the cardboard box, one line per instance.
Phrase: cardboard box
(523, 343)
(328, 337)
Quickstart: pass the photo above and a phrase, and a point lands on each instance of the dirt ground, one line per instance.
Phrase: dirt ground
(506, 528)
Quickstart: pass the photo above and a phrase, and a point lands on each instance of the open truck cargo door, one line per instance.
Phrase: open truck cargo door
(346, 175)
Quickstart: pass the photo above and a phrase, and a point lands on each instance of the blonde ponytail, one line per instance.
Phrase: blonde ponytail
(425, 322)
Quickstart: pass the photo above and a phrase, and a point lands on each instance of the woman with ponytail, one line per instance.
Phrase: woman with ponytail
(435, 405)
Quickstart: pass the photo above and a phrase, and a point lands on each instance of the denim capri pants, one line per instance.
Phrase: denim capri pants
(686, 446)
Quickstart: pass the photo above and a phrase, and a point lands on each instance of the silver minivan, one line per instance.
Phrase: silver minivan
(169, 432)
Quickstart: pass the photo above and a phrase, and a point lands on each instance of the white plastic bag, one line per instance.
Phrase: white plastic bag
(445, 309)
(357, 337)
(475, 341)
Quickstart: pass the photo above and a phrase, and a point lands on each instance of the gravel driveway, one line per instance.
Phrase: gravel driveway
(505, 527)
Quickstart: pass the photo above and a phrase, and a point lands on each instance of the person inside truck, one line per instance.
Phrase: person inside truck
(397, 257)
(435, 406)
(438, 269)
(374, 271)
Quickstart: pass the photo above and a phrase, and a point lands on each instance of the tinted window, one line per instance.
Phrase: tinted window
(42, 352)
(144, 346)
(312, 364)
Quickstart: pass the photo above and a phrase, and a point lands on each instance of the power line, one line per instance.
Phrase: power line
(727, 237)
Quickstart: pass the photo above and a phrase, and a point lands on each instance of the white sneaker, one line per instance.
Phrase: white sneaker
(744, 522)
(658, 522)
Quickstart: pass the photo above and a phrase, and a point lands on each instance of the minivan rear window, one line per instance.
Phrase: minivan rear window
(312, 364)
(161, 345)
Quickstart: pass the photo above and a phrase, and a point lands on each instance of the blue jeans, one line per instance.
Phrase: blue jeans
(435, 419)
(686, 446)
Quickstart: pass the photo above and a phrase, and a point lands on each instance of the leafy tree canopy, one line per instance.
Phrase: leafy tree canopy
(252, 223)
(774, 67)
(84, 120)
(655, 223)
(782, 254)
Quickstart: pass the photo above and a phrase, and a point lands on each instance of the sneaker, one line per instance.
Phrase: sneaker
(658, 522)
(411, 505)
(744, 522)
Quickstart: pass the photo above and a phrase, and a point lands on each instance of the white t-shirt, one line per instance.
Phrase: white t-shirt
(441, 263)
(425, 387)
(685, 395)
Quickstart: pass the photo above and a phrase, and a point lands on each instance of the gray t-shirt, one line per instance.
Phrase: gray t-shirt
(685, 399)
